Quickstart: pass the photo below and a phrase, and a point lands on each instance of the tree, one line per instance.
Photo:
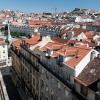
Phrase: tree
(6, 32)
(7, 42)
(6, 27)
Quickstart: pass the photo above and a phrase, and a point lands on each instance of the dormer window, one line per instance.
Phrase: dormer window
(60, 58)
(48, 51)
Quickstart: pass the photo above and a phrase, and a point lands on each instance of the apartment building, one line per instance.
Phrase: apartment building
(59, 65)
(49, 30)
(25, 64)
(3, 53)
(46, 69)
(27, 30)
(25, 68)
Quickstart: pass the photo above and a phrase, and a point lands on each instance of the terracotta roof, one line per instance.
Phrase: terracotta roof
(31, 41)
(59, 40)
(72, 42)
(17, 43)
(81, 52)
(89, 34)
(90, 73)
(1, 39)
(91, 44)
(80, 29)
(43, 22)
(51, 46)
(67, 50)
(76, 33)
(64, 31)
(2, 42)
(34, 40)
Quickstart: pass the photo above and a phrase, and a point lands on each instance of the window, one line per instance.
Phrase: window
(52, 91)
(92, 55)
(47, 76)
(58, 98)
(37, 85)
(48, 51)
(60, 58)
(84, 90)
(3, 51)
(54, 68)
(30, 78)
(42, 70)
(47, 89)
(68, 77)
(66, 92)
(47, 98)
(3, 46)
(52, 79)
(42, 94)
(33, 82)
(59, 85)
(42, 83)
(33, 71)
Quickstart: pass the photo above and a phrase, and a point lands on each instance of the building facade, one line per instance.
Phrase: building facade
(3, 53)
(27, 30)
(46, 70)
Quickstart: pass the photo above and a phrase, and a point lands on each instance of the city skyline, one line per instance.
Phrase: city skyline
(39, 6)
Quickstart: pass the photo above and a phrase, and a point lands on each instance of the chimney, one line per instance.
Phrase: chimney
(40, 37)
(87, 45)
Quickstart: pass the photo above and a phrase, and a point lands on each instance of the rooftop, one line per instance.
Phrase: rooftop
(91, 73)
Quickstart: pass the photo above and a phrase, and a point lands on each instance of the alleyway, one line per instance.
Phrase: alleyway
(11, 88)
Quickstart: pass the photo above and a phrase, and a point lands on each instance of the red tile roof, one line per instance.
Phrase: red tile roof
(59, 40)
(91, 73)
(17, 43)
(31, 41)
(81, 52)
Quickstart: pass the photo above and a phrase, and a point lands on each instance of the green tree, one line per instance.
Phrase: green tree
(6, 27)
(6, 32)
(7, 42)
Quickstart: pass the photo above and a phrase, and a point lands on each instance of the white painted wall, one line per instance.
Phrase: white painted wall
(4, 56)
(81, 36)
(83, 63)
(91, 95)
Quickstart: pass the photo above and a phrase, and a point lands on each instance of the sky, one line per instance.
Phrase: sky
(39, 6)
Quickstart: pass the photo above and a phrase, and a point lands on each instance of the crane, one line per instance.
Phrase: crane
(55, 10)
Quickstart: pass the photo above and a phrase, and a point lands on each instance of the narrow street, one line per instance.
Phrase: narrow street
(11, 88)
